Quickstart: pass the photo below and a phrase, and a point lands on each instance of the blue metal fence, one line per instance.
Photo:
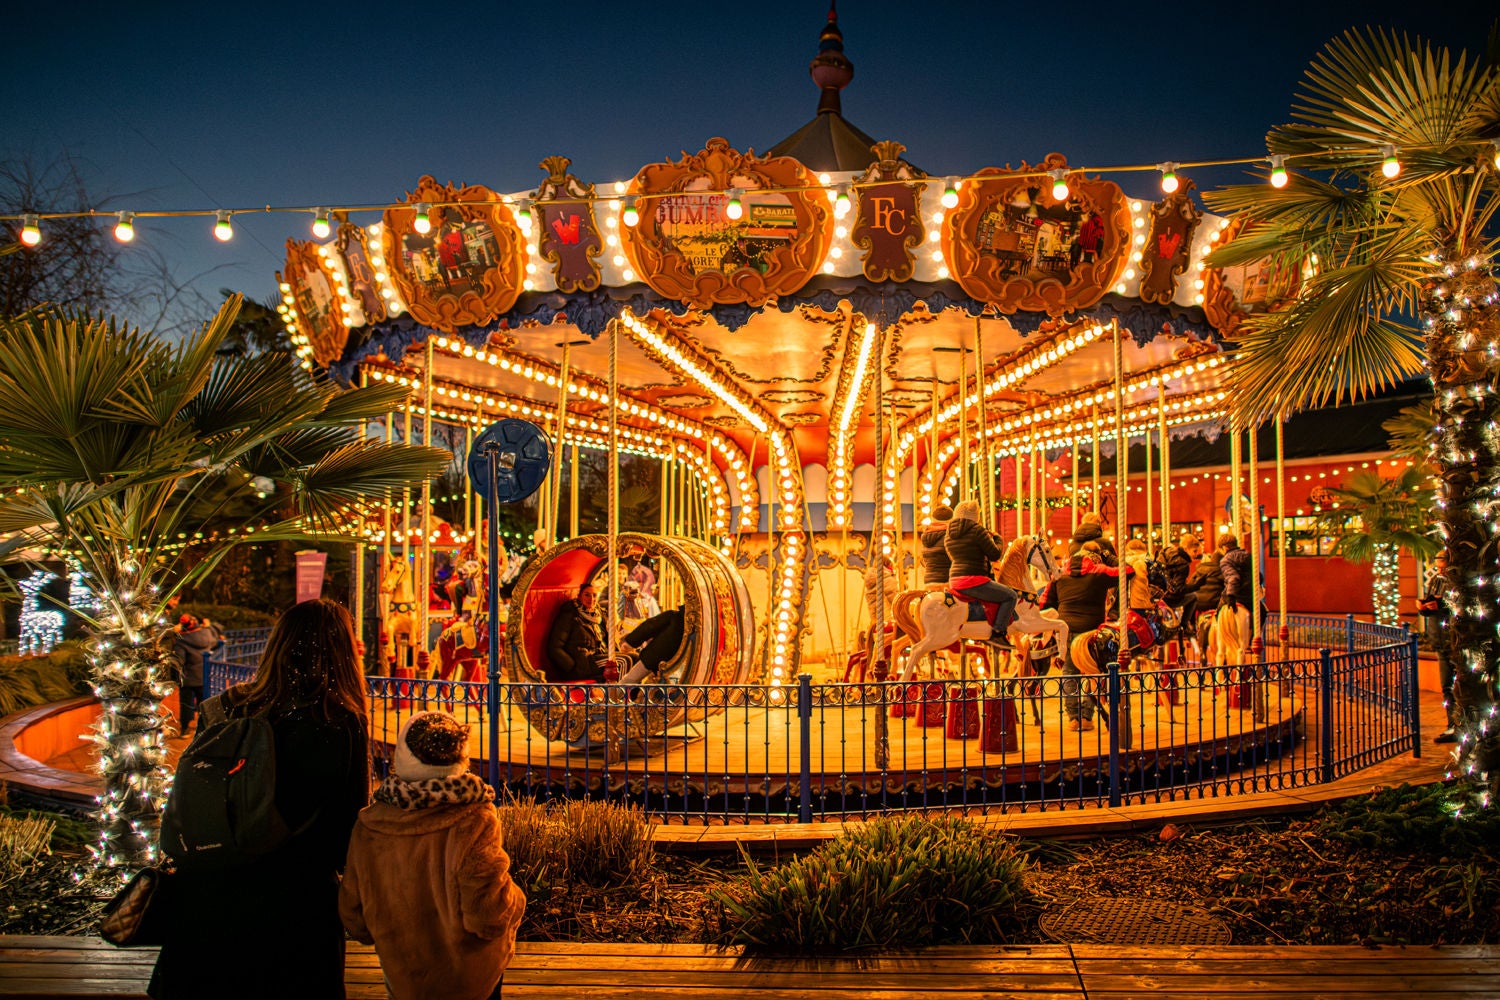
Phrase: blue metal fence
(1346, 699)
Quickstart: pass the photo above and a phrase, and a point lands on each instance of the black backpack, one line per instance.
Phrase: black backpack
(222, 809)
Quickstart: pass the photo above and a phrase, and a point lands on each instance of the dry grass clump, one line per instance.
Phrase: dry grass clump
(595, 843)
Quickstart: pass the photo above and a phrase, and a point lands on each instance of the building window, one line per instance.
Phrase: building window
(1304, 537)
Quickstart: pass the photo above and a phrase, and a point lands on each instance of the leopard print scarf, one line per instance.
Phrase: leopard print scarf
(460, 789)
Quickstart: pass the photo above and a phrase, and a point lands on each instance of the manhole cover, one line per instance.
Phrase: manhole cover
(1099, 920)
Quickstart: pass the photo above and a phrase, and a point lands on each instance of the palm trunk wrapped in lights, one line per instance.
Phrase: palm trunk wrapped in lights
(1462, 321)
(130, 681)
(1387, 567)
(1389, 210)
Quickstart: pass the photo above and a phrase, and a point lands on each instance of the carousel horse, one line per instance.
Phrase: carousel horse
(1145, 632)
(1226, 636)
(398, 607)
(1026, 568)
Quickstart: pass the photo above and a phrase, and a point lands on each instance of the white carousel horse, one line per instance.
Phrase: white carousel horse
(1026, 568)
(1226, 636)
(398, 607)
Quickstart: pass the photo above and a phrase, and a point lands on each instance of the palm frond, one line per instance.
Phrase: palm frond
(364, 404)
(358, 470)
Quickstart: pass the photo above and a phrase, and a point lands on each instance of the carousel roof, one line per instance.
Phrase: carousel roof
(738, 340)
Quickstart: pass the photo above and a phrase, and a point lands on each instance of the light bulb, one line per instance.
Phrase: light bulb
(223, 228)
(1168, 177)
(1390, 166)
(841, 201)
(523, 214)
(1278, 171)
(950, 193)
(1497, 153)
(423, 223)
(734, 209)
(630, 216)
(1059, 184)
(31, 233)
(125, 227)
(320, 223)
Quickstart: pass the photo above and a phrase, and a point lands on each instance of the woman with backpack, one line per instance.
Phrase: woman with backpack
(263, 919)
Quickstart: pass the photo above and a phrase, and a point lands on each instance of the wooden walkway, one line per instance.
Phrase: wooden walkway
(86, 967)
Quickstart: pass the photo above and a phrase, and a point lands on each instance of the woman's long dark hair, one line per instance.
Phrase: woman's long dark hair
(309, 660)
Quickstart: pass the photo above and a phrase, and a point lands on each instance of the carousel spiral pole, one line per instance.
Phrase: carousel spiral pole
(554, 493)
(492, 672)
(877, 638)
(424, 549)
(613, 488)
(1073, 506)
(1094, 424)
(1166, 465)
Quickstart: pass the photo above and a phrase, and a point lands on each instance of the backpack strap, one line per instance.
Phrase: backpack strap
(212, 712)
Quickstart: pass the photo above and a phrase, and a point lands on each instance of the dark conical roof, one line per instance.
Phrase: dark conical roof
(829, 142)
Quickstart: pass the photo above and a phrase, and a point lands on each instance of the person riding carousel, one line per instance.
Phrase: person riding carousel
(935, 561)
(972, 548)
(575, 645)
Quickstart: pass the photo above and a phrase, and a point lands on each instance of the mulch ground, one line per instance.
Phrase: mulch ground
(1373, 874)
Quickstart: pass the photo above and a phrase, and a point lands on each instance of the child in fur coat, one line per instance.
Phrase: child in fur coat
(427, 881)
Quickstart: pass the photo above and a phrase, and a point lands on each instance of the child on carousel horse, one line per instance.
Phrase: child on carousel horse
(971, 549)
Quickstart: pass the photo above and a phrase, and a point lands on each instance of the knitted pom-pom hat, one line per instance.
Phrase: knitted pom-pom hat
(431, 745)
(968, 510)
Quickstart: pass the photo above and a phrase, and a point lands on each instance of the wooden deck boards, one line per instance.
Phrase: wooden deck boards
(86, 967)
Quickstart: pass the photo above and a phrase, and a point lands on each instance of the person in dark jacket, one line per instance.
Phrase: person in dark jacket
(280, 911)
(971, 548)
(1177, 564)
(1091, 529)
(1207, 586)
(194, 641)
(575, 644)
(1079, 598)
(1435, 618)
(935, 561)
(1234, 566)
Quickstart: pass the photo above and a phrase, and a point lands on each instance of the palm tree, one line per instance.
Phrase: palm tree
(1376, 253)
(121, 449)
(1373, 519)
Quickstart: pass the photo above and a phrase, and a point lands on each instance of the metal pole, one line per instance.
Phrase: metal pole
(1256, 562)
(358, 598)
(964, 487)
(1325, 714)
(1166, 465)
(1283, 634)
(987, 483)
(1147, 491)
(406, 532)
(1044, 511)
(1234, 482)
(1095, 498)
(877, 638)
(1020, 493)
(424, 579)
(573, 492)
(492, 685)
(562, 431)
(1073, 507)
(804, 747)
(1120, 728)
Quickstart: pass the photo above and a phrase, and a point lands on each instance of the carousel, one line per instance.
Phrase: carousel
(816, 348)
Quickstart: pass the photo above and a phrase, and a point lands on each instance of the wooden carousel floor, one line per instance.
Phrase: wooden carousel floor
(758, 748)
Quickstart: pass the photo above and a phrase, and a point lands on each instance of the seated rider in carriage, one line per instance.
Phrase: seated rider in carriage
(575, 643)
(971, 549)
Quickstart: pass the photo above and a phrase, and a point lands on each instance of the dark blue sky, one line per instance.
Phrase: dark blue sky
(173, 106)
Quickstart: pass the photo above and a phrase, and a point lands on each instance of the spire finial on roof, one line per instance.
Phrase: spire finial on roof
(831, 69)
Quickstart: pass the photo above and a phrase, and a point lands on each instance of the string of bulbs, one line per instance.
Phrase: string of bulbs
(124, 230)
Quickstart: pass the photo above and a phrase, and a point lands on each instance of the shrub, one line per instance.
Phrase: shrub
(892, 882)
(1412, 819)
(23, 839)
(598, 843)
(228, 617)
(28, 681)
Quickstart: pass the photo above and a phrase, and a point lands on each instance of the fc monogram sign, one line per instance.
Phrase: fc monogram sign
(889, 225)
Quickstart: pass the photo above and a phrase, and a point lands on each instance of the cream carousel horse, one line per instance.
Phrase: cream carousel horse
(1027, 567)
(1226, 636)
(398, 606)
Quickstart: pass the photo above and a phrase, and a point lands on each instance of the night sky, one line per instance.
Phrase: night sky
(173, 106)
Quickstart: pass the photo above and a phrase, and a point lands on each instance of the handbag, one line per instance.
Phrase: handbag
(137, 916)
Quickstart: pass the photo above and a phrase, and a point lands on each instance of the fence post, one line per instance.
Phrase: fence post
(1115, 722)
(804, 748)
(1414, 696)
(1348, 633)
(1325, 713)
